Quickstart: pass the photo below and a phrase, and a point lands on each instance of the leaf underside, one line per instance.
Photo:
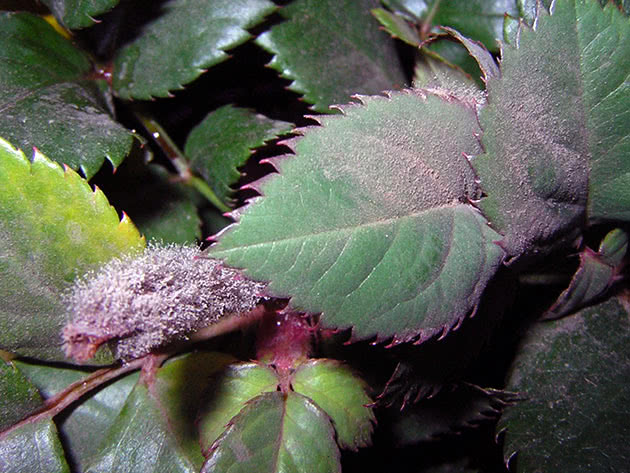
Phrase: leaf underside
(47, 102)
(332, 49)
(555, 135)
(188, 37)
(575, 376)
(53, 228)
(379, 191)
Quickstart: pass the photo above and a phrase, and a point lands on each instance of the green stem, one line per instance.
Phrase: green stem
(204, 189)
(177, 157)
(428, 21)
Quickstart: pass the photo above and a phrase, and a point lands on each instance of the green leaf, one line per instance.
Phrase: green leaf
(411, 10)
(596, 274)
(33, 447)
(155, 430)
(47, 101)
(454, 67)
(443, 63)
(484, 59)
(94, 414)
(575, 376)
(331, 50)
(341, 395)
(18, 397)
(276, 433)
(187, 38)
(555, 128)
(376, 192)
(397, 27)
(481, 20)
(223, 141)
(228, 393)
(78, 13)
(53, 228)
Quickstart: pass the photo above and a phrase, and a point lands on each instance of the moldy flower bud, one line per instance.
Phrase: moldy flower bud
(140, 303)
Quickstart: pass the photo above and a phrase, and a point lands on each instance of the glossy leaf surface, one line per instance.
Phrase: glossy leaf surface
(223, 141)
(397, 26)
(277, 433)
(78, 13)
(478, 19)
(228, 393)
(155, 430)
(575, 376)
(332, 49)
(48, 102)
(18, 397)
(34, 447)
(341, 394)
(186, 38)
(94, 414)
(555, 127)
(53, 228)
(376, 192)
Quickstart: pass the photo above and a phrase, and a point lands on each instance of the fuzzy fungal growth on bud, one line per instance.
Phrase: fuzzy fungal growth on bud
(140, 303)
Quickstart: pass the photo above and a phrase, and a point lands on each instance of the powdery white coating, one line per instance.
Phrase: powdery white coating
(139, 303)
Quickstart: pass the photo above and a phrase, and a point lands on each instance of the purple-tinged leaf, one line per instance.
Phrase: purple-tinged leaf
(450, 412)
(382, 190)
(555, 134)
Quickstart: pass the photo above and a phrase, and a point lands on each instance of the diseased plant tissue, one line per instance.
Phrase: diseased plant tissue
(415, 218)
(140, 303)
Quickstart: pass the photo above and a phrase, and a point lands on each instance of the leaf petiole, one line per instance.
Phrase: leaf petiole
(179, 161)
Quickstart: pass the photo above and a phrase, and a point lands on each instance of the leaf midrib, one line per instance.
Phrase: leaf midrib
(370, 224)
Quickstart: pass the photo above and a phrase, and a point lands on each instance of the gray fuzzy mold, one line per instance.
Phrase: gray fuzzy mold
(140, 303)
